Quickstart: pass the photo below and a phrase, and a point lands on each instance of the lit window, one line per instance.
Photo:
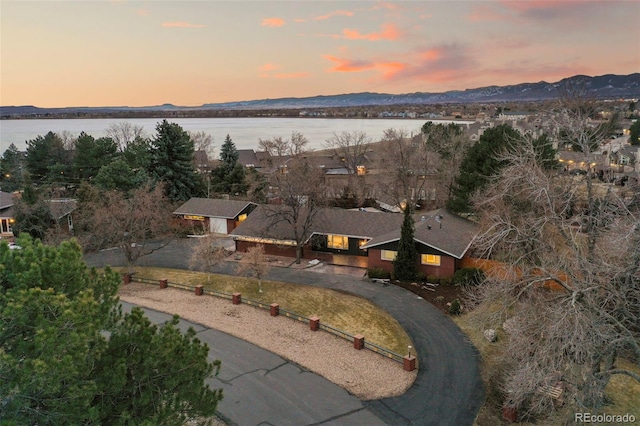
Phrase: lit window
(388, 254)
(430, 259)
(338, 242)
(362, 242)
(361, 170)
(242, 217)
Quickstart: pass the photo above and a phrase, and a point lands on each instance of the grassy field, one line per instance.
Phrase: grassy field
(623, 391)
(349, 313)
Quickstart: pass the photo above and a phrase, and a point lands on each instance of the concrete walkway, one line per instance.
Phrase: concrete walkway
(448, 389)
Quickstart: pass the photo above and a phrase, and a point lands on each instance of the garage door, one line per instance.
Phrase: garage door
(218, 225)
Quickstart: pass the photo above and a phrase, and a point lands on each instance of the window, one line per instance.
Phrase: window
(430, 259)
(339, 242)
(388, 254)
(242, 217)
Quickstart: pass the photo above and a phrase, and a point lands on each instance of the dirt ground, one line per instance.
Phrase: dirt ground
(439, 296)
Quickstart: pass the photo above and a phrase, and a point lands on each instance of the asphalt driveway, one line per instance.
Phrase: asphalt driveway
(448, 389)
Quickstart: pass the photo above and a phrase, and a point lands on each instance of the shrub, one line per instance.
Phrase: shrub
(433, 279)
(454, 309)
(378, 273)
(446, 281)
(421, 277)
(468, 276)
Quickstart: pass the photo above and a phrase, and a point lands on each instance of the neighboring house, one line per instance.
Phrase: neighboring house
(442, 240)
(215, 215)
(6, 215)
(61, 211)
(361, 238)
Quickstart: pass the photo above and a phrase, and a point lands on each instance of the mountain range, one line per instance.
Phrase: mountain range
(607, 86)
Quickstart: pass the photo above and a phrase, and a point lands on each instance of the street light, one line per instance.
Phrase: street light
(409, 348)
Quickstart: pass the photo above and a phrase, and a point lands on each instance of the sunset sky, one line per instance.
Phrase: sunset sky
(136, 53)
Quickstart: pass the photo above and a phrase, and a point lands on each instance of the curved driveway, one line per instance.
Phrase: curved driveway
(448, 389)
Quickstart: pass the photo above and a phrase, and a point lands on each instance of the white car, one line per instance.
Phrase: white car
(14, 246)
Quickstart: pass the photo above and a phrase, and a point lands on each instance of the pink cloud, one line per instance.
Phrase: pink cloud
(268, 67)
(272, 22)
(388, 32)
(332, 14)
(181, 25)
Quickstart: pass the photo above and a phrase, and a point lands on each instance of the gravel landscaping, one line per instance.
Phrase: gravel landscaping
(363, 373)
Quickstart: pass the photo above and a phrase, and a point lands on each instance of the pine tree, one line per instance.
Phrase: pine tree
(230, 176)
(228, 153)
(172, 162)
(404, 266)
(70, 356)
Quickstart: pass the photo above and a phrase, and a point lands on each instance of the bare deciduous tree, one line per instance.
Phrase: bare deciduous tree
(407, 167)
(202, 141)
(254, 264)
(207, 253)
(568, 295)
(301, 188)
(123, 133)
(351, 147)
(280, 147)
(139, 224)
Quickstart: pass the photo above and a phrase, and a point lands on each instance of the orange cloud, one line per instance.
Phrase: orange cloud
(268, 67)
(389, 32)
(142, 12)
(181, 25)
(387, 69)
(272, 22)
(332, 14)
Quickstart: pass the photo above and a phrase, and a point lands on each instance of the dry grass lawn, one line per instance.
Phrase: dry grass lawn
(345, 312)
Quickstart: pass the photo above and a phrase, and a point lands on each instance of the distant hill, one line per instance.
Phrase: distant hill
(608, 86)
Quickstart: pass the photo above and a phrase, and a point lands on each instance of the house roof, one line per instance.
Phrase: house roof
(211, 207)
(264, 223)
(438, 229)
(247, 157)
(61, 207)
(6, 200)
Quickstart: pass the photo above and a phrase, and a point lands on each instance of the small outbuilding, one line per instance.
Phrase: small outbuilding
(215, 215)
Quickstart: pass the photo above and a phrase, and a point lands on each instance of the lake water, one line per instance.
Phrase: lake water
(244, 132)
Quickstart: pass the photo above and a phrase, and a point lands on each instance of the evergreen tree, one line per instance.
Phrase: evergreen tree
(404, 266)
(69, 355)
(228, 153)
(230, 176)
(118, 175)
(11, 170)
(171, 162)
(91, 154)
(634, 134)
(45, 153)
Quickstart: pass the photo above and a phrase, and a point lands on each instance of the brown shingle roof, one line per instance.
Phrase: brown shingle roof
(262, 223)
(211, 207)
(6, 200)
(62, 207)
(451, 234)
